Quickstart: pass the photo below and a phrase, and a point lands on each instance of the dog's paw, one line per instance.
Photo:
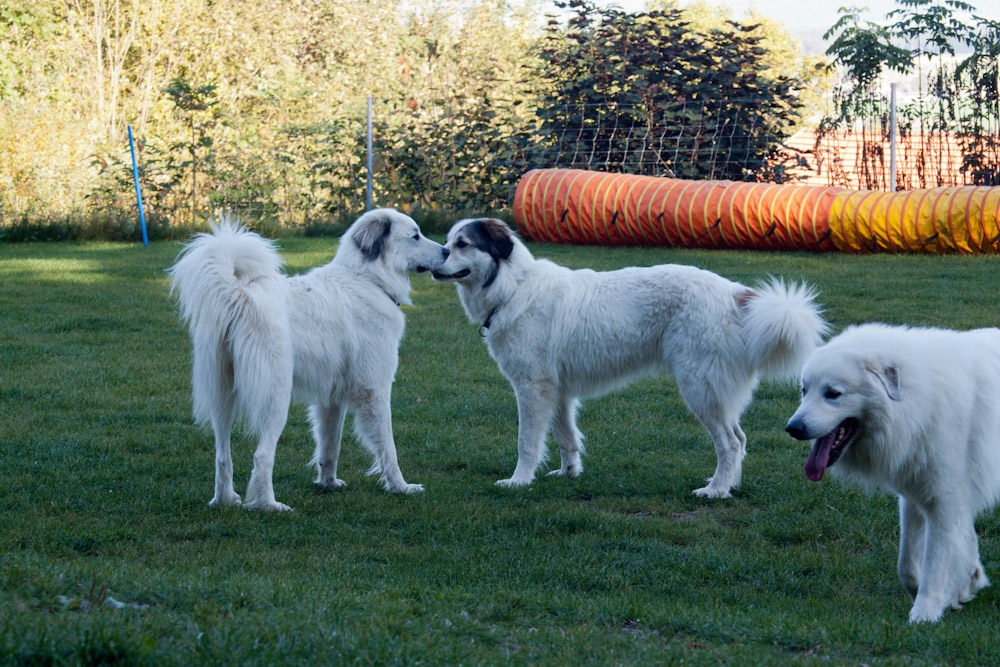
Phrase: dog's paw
(512, 483)
(267, 506)
(330, 485)
(407, 489)
(977, 581)
(711, 492)
(571, 472)
(223, 500)
(924, 613)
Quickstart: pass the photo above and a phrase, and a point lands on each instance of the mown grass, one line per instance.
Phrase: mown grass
(104, 482)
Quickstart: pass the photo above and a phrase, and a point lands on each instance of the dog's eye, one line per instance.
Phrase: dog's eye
(460, 244)
(416, 237)
(831, 394)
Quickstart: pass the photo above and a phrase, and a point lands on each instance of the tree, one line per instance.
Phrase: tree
(28, 32)
(782, 57)
(644, 93)
(198, 107)
(978, 76)
(958, 100)
(453, 137)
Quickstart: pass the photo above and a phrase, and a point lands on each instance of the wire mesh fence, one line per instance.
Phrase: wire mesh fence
(470, 159)
(459, 163)
(735, 139)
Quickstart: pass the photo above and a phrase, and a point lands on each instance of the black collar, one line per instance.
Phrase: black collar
(386, 292)
(487, 323)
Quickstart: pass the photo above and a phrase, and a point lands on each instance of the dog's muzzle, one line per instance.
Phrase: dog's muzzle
(450, 276)
(444, 256)
(796, 429)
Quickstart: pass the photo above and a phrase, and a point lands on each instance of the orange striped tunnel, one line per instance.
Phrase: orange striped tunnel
(587, 207)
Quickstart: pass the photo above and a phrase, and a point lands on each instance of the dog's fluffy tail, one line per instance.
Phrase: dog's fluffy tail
(781, 327)
(232, 294)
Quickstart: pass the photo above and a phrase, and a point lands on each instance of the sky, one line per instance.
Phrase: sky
(809, 19)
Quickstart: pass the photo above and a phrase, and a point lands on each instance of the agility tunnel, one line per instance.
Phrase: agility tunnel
(596, 208)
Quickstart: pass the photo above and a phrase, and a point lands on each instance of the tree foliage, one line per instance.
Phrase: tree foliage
(467, 95)
(704, 104)
(957, 98)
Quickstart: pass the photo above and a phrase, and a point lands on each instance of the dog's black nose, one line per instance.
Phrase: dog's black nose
(794, 429)
(445, 252)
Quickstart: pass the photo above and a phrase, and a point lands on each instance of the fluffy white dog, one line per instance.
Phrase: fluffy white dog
(329, 337)
(916, 412)
(559, 335)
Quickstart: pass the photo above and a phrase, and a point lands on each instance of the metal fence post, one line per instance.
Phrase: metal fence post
(892, 138)
(368, 188)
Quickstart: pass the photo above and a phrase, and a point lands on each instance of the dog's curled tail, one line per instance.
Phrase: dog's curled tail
(782, 325)
(230, 291)
(215, 265)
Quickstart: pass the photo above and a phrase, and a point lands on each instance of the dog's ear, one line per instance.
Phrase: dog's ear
(497, 239)
(370, 236)
(889, 378)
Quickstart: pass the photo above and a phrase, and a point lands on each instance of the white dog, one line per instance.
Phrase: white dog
(917, 412)
(330, 337)
(559, 335)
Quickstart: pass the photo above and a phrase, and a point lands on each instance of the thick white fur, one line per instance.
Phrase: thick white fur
(559, 335)
(330, 337)
(935, 444)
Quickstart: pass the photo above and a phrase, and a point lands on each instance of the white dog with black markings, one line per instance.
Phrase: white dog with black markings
(559, 335)
(916, 412)
(329, 337)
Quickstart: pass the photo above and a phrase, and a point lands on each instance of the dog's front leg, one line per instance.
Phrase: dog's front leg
(912, 539)
(328, 429)
(568, 437)
(373, 422)
(945, 569)
(536, 404)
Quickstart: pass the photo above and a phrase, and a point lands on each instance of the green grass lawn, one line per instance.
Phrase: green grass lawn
(104, 484)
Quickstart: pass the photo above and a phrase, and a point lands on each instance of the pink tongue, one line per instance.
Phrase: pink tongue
(819, 457)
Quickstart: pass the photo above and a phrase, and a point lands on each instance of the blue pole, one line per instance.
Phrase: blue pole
(138, 191)
(368, 162)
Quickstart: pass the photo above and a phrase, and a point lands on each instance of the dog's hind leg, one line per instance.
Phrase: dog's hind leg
(328, 428)
(536, 405)
(222, 424)
(729, 447)
(263, 372)
(729, 465)
(267, 409)
(568, 437)
(260, 488)
(976, 579)
(719, 414)
(912, 538)
(741, 437)
(373, 423)
(215, 403)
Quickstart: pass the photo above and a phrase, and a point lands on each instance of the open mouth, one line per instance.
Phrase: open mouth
(827, 449)
(450, 276)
